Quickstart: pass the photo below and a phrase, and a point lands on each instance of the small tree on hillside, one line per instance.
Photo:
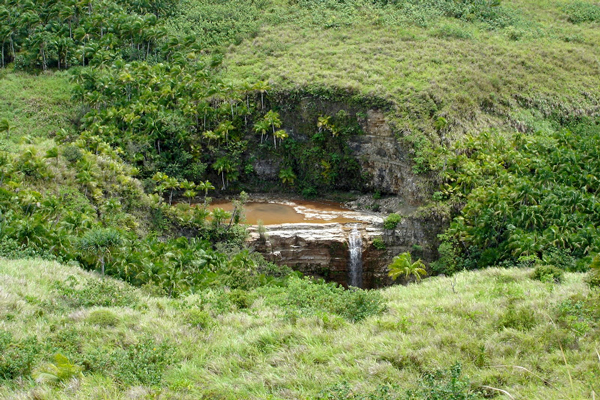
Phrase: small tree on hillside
(99, 244)
(402, 265)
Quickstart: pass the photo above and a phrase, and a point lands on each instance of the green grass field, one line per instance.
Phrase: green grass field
(432, 66)
(534, 340)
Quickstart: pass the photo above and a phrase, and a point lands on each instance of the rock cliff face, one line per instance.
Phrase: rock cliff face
(381, 155)
(321, 250)
(387, 162)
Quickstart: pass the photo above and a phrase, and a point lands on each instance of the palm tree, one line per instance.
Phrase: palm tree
(205, 187)
(189, 187)
(210, 135)
(287, 175)
(280, 134)
(223, 166)
(224, 128)
(172, 184)
(262, 87)
(261, 127)
(272, 118)
(219, 215)
(402, 265)
(99, 243)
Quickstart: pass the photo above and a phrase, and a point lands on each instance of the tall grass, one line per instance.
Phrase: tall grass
(509, 332)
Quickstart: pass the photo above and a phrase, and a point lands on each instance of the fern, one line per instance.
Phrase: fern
(62, 369)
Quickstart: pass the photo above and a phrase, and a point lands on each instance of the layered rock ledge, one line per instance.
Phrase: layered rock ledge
(321, 250)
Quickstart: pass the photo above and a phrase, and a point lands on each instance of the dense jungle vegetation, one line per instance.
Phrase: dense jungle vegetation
(117, 115)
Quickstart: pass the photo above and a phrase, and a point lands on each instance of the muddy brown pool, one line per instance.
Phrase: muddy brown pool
(292, 212)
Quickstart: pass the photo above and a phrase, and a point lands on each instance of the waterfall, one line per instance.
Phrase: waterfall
(355, 247)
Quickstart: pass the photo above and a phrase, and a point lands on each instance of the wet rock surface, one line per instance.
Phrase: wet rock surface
(321, 250)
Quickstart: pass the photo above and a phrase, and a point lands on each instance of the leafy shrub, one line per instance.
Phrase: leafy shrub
(444, 385)
(241, 298)
(197, 318)
(16, 357)
(60, 370)
(309, 193)
(72, 154)
(11, 249)
(578, 314)
(332, 321)
(343, 391)
(593, 280)
(452, 32)
(379, 244)
(521, 318)
(67, 340)
(435, 385)
(548, 273)
(144, 362)
(307, 297)
(561, 259)
(103, 318)
(392, 221)
(96, 293)
(579, 11)
(491, 228)
(447, 262)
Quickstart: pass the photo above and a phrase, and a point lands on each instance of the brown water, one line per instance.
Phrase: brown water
(298, 211)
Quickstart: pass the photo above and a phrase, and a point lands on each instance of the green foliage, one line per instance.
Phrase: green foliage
(197, 318)
(64, 33)
(392, 221)
(343, 391)
(241, 298)
(99, 243)
(287, 176)
(445, 385)
(17, 356)
(433, 385)
(60, 370)
(141, 363)
(548, 273)
(306, 297)
(581, 11)
(452, 32)
(402, 265)
(379, 244)
(72, 154)
(525, 196)
(4, 125)
(593, 279)
(309, 193)
(519, 318)
(578, 314)
(217, 24)
(334, 14)
(96, 293)
(103, 318)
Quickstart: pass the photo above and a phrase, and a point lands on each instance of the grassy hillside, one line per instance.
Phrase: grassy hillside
(534, 340)
(520, 63)
(37, 106)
